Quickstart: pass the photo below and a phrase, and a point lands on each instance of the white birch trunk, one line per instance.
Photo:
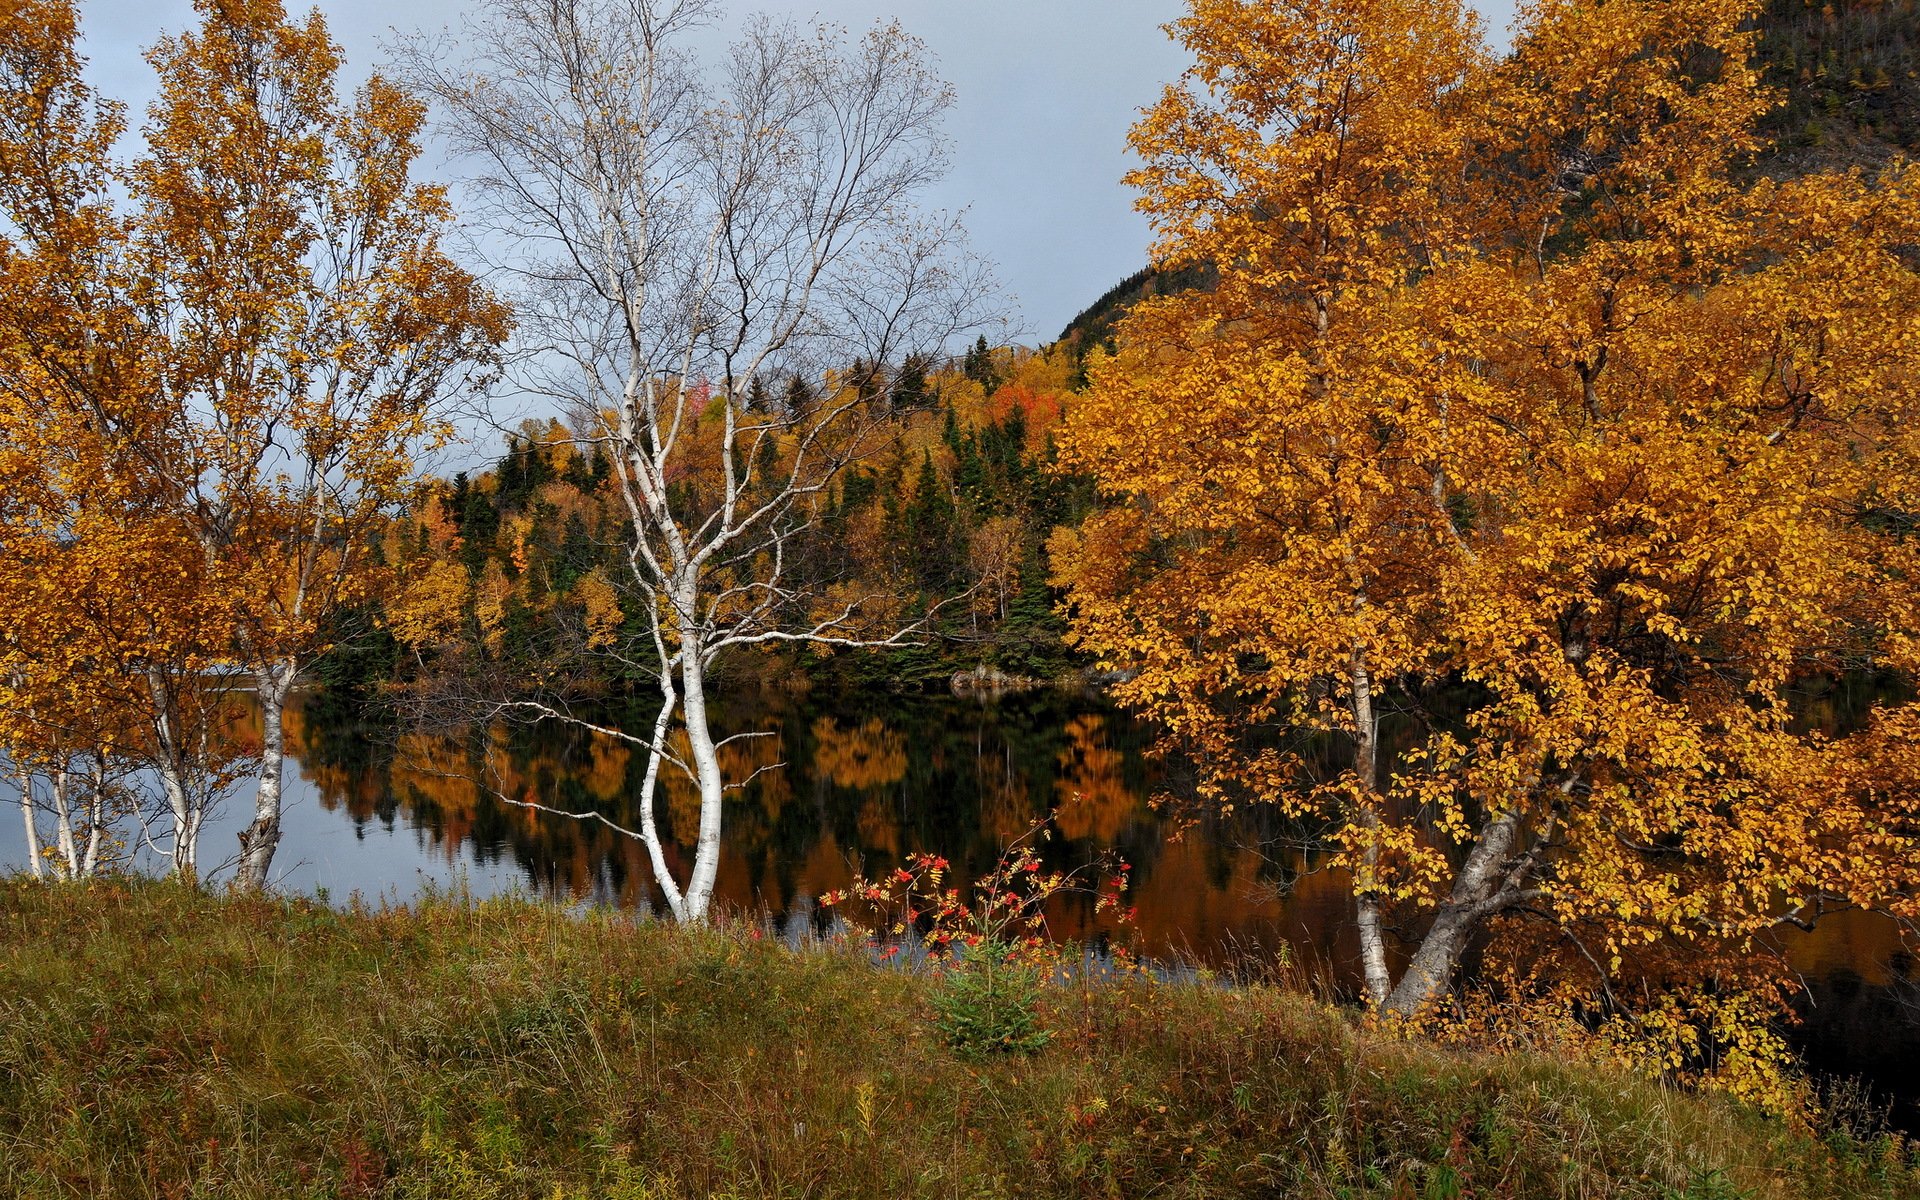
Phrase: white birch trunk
(649, 786)
(96, 818)
(1366, 762)
(259, 840)
(1479, 890)
(34, 864)
(181, 804)
(706, 770)
(69, 862)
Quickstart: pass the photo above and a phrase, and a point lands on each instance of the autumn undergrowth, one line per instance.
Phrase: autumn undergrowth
(156, 1042)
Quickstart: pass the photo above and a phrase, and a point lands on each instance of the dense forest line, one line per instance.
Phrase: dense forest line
(950, 513)
(510, 572)
(1849, 72)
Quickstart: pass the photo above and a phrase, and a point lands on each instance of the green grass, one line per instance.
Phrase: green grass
(157, 1042)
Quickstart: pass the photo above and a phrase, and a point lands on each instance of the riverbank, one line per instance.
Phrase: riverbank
(158, 1042)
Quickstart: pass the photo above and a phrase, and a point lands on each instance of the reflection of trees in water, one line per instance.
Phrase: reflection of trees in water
(346, 767)
(1842, 705)
(867, 780)
(871, 755)
(1091, 793)
(855, 784)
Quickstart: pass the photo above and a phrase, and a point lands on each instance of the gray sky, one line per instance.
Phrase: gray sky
(1046, 91)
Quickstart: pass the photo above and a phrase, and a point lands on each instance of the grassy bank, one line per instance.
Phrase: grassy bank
(159, 1043)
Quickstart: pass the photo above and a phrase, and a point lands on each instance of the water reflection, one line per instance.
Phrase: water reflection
(853, 785)
(832, 791)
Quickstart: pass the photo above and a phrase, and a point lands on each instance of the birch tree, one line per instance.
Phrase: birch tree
(315, 331)
(1536, 459)
(687, 233)
(220, 360)
(110, 622)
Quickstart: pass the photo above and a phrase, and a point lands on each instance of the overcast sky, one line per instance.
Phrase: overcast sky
(1046, 91)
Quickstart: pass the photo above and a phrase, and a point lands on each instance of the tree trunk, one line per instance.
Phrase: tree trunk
(96, 818)
(649, 787)
(706, 766)
(1430, 973)
(169, 766)
(259, 840)
(1366, 763)
(1479, 891)
(33, 830)
(69, 865)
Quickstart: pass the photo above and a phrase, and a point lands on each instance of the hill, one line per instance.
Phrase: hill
(1850, 72)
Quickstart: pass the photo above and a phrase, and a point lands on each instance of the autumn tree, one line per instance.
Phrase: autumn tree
(685, 229)
(1519, 429)
(315, 328)
(239, 339)
(108, 616)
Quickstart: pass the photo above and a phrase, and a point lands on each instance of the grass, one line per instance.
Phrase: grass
(158, 1042)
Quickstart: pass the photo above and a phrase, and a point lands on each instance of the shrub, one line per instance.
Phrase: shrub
(987, 1003)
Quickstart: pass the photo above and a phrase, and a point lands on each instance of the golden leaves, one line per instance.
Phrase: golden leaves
(603, 616)
(426, 610)
(1516, 399)
(215, 363)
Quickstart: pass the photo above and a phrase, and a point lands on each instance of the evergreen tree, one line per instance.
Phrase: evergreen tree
(929, 533)
(576, 556)
(910, 390)
(457, 502)
(479, 525)
(978, 366)
(799, 398)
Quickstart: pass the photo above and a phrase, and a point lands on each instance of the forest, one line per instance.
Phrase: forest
(1495, 502)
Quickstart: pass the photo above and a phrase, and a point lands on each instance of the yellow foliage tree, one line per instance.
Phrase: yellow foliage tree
(254, 320)
(1524, 414)
(108, 619)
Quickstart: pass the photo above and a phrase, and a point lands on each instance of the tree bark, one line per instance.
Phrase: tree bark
(1479, 891)
(169, 764)
(706, 769)
(96, 817)
(649, 786)
(69, 864)
(34, 864)
(259, 840)
(1366, 764)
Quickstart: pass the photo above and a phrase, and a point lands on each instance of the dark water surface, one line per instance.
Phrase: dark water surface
(853, 784)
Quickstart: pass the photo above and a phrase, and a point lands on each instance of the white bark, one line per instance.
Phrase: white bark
(259, 840)
(1473, 899)
(34, 865)
(96, 817)
(687, 229)
(78, 804)
(170, 761)
(706, 770)
(649, 785)
(69, 860)
(1366, 768)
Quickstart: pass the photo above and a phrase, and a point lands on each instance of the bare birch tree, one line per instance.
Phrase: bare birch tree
(684, 233)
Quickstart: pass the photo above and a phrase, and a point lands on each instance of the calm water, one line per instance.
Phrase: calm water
(852, 785)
